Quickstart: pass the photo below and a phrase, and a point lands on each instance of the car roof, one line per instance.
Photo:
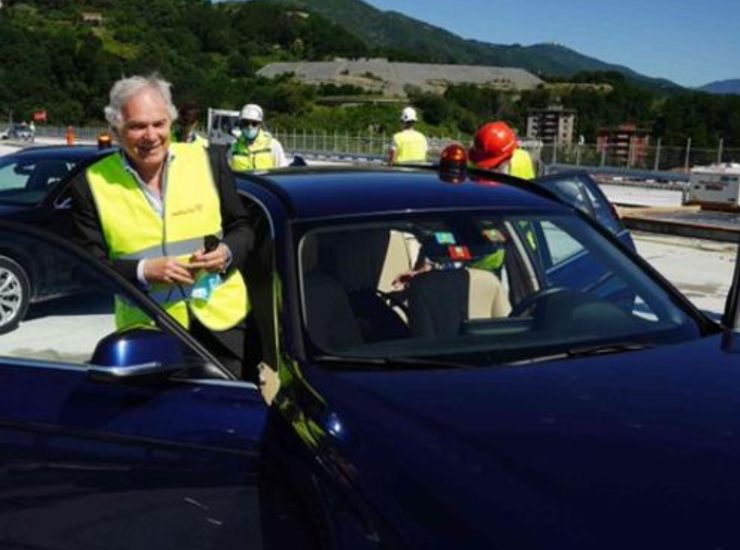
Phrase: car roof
(72, 152)
(310, 193)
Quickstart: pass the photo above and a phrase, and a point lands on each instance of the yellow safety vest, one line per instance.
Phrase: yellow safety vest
(133, 230)
(411, 146)
(252, 156)
(520, 165)
(197, 138)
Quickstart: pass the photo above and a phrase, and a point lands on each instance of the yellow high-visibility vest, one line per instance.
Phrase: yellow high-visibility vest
(133, 230)
(521, 166)
(196, 138)
(252, 156)
(411, 146)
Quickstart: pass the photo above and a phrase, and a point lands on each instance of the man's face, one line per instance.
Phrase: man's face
(145, 133)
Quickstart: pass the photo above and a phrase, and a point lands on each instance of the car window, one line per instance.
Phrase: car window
(24, 181)
(56, 307)
(583, 193)
(477, 288)
(561, 246)
(15, 176)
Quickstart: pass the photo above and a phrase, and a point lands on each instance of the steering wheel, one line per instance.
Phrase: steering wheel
(531, 300)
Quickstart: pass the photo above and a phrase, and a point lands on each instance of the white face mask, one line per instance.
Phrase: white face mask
(250, 132)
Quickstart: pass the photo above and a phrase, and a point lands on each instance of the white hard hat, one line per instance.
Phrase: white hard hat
(251, 112)
(408, 115)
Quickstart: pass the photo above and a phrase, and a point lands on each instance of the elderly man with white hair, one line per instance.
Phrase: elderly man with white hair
(167, 217)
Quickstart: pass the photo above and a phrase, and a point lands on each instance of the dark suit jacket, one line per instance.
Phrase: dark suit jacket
(238, 234)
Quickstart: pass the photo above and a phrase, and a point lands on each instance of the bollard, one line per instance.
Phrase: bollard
(70, 135)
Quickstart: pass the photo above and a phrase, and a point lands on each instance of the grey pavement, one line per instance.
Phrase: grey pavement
(701, 269)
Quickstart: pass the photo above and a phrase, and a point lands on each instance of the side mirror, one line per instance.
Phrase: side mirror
(136, 353)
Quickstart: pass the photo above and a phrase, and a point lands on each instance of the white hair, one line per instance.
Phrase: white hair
(126, 88)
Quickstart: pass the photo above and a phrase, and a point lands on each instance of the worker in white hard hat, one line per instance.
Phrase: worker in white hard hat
(255, 148)
(409, 145)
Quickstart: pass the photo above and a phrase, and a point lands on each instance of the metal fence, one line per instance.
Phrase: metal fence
(657, 158)
(349, 143)
(82, 133)
(373, 144)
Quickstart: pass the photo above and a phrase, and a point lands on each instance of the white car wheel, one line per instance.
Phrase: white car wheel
(15, 292)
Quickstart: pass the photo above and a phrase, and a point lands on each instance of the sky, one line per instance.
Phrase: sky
(691, 43)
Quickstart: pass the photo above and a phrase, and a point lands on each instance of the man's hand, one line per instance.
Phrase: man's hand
(167, 269)
(214, 261)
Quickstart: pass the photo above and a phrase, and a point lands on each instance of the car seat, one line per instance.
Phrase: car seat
(356, 259)
(487, 297)
(330, 320)
(438, 303)
(441, 301)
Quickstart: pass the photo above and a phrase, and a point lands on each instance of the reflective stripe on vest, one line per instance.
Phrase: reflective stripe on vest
(411, 146)
(521, 165)
(252, 156)
(134, 231)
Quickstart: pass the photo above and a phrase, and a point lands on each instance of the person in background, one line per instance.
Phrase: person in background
(255, 148)
(409, 145)
(184, 129)
(32, 130)
(496, 148)
(133, 208)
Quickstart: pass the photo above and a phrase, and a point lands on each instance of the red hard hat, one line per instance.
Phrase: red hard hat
(494, 143)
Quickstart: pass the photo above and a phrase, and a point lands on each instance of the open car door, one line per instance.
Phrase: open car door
(580, 190)
(116, 440)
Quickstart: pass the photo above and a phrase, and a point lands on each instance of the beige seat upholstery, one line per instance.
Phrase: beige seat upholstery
(486, 297)
(398, 260)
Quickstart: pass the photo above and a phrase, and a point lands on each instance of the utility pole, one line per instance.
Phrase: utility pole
(720, 146)
(688, 153)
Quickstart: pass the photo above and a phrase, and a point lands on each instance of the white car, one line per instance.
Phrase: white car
(19, 131)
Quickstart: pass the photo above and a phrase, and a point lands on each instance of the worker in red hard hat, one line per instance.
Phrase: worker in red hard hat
(496, 148)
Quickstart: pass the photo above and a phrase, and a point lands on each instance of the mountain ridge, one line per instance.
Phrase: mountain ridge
(722, 87)
(394, 30)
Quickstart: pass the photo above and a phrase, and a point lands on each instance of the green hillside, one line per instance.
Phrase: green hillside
(397, 32)
(63, 56)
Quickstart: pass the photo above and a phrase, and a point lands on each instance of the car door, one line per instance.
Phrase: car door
(119, 440)
(581, 191)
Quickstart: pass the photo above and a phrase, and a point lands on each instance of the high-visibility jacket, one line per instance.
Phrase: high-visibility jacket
(133, 230)
(410, 145)
(520, 165)
(195, 137)
(256, 155)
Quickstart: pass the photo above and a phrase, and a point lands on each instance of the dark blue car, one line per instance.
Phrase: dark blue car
(428, 380)
(34, 190)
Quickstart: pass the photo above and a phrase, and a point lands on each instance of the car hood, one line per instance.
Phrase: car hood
(639, 448)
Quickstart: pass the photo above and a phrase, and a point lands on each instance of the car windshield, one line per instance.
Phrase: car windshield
(27, 180)
(478, 289)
